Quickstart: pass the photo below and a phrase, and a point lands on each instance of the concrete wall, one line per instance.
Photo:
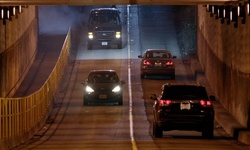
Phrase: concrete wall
(18, 46)
(224, 53)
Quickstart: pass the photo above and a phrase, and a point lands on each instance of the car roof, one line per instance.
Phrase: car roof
(103, 71)
(157, 50)
(181, 84)
(105, 10)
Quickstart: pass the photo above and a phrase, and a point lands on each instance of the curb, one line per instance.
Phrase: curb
(222, 116)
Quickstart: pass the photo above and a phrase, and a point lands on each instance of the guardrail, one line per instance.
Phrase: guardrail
(21, 118)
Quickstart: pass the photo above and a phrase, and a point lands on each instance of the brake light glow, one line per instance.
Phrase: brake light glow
(169, 63)
(164, 102)
(145, 62)
(205, 103)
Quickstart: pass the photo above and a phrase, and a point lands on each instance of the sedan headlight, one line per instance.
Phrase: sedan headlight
(89, 89)
(90, 35)
(118, 35)
(117, 89)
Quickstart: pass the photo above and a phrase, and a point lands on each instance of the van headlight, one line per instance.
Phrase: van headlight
(90, 35)
(118, 35)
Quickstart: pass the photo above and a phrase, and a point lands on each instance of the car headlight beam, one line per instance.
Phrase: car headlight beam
(90, 35)
(89, 89)
(118, 35)
(117, 89)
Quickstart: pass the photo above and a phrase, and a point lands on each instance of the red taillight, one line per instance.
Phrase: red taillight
(205, 103)
(145, 62)
(169, 63)
(164, 102)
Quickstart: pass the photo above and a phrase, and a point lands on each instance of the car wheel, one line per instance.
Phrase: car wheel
(157, 131)
(142, 76)
(208, 131)
(119, 46)
(120, 102)
(173, 76)
(85, 102)
(90, 46)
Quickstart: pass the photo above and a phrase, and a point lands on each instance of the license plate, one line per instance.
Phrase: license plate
(102, 96)
(157, 64)
(185, 106)
(104, 43)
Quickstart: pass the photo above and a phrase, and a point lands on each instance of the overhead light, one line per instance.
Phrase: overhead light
(231, 15)
(14, 10)
(20, 9)
(238, 10)
(2, 13)
(8, 13)
(224, 12)
(248, 7)
(218, 12)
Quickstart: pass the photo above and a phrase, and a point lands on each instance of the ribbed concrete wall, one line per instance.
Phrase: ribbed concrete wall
(224, 53)
(18, 45)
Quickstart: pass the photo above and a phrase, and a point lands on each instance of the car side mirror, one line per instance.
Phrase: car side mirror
(139, 56)
(174, 57)
(84, 82)
(212, 98)
(153, 97)
(123, 82)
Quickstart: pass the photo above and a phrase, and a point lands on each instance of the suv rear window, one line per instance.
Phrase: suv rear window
(184, 93)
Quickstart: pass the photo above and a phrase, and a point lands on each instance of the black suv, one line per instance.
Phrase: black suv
(104, 27)
(183, 107)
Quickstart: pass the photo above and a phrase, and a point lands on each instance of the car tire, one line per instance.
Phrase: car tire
(90, 46)
(208, 131)
(173, 76)
(119, 45)
(157, 131)
(120, 102)
(85, 102)
(142, 76)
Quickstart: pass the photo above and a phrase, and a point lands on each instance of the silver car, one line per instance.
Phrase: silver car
(157, 62)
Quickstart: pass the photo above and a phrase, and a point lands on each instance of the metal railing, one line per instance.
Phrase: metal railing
(20, 118)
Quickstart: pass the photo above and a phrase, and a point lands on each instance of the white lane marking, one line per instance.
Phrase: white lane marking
(134, 146)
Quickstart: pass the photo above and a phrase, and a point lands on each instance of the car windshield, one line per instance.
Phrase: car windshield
(157, 55)
(184, 93)
(103, 77)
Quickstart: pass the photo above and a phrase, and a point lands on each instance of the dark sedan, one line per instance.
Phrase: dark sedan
(103, 86)
(183, 107)
(157, 62)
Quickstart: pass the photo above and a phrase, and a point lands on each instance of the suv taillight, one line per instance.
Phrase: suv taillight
(164, 102)
(205, 103)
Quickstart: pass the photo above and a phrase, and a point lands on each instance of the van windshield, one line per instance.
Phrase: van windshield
(99, 19)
